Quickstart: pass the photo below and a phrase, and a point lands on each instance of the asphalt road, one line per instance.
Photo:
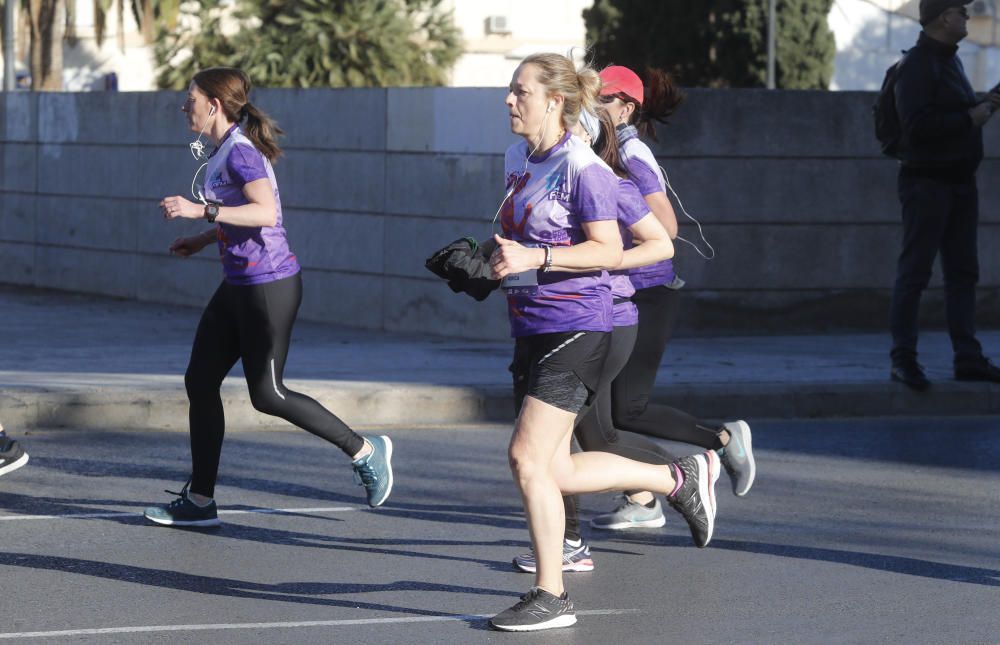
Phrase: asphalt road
(861, 531)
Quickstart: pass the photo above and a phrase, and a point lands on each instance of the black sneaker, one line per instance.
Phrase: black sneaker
(696, 498)
(911, 374)
(12, 456)
(183, 512)
(977, 370)
(537, 610)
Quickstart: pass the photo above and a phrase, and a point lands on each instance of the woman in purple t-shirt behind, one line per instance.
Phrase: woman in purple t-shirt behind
(634, 107)
(560, 229)
(250, 317)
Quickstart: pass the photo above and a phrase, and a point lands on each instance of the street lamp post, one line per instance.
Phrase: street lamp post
(771, 23)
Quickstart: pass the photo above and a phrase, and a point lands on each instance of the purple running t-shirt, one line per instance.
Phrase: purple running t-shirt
(645, 172)
(250, 254)
(631, 208)
(551, 198)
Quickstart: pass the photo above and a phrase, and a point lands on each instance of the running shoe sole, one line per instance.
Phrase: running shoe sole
(747, 440)
(388, 464)
(643, 524)
(706, 489)
(565, 620)
(14, 465)
(580, 566)
(161, 522)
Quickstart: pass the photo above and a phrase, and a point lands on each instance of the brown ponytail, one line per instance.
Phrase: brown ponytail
(263, 131)
(660, 99)
(231, 87)
(607, 146)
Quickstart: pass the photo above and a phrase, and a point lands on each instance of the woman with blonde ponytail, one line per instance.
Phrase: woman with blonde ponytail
(251, 315)
(560, 235)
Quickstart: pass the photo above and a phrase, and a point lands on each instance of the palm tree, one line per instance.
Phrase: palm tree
(315, 43)
(47, 22)
(149, 14)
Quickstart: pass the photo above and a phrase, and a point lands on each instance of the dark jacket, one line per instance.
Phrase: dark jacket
(465, 264)
(933, 96)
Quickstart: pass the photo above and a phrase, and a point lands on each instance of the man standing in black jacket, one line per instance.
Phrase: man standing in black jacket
(941, 146)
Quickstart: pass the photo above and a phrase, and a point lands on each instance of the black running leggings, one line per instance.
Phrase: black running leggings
(252, 323)
(595, 430)
(631, 413)
(630, 391)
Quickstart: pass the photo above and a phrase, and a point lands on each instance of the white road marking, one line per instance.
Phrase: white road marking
(288, 625)
(90, 516)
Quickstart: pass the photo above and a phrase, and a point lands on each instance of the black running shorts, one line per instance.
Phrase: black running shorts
(562, 369)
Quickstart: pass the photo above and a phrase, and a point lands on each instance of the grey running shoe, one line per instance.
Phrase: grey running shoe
(575, 558)
(631, 515)
(374, 470)
(183, 512)
(696, 498)
(12, 456)
(537, 610)
(737, 457)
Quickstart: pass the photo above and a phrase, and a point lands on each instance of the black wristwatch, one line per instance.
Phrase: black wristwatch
(211, 212)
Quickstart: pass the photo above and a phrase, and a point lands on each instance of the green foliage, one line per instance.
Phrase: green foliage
(716, 43)
(313, 43)
(148, 14)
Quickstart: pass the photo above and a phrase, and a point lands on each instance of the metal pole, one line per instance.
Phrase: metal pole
(771, 29)
(8, 45)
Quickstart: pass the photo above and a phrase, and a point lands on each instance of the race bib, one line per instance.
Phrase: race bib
(524, 283)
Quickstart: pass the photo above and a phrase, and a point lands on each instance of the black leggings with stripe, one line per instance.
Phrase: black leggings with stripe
(252, 323)
(622, 417)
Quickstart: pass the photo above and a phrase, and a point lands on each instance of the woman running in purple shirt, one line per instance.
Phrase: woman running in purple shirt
(634, 109)
(250, 317)
(560, 228)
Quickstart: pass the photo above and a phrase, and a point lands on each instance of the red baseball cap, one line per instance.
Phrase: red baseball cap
(618, 79)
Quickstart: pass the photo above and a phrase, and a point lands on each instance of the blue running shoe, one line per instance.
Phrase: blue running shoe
(737, 457)
(183, 512)
(374, 470)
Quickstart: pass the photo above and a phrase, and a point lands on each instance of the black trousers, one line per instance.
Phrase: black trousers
(938, 216)
(252, 323)
(595, 430)
(631, 410)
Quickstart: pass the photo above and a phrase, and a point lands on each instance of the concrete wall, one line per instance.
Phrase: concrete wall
(790, 187)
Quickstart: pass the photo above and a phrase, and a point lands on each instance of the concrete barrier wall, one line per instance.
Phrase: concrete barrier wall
(790, 188)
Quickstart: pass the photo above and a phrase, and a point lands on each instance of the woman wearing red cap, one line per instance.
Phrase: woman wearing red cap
(634, 107)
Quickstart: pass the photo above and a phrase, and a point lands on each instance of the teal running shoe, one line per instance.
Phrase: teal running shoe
(374, 471)
(183, 512)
